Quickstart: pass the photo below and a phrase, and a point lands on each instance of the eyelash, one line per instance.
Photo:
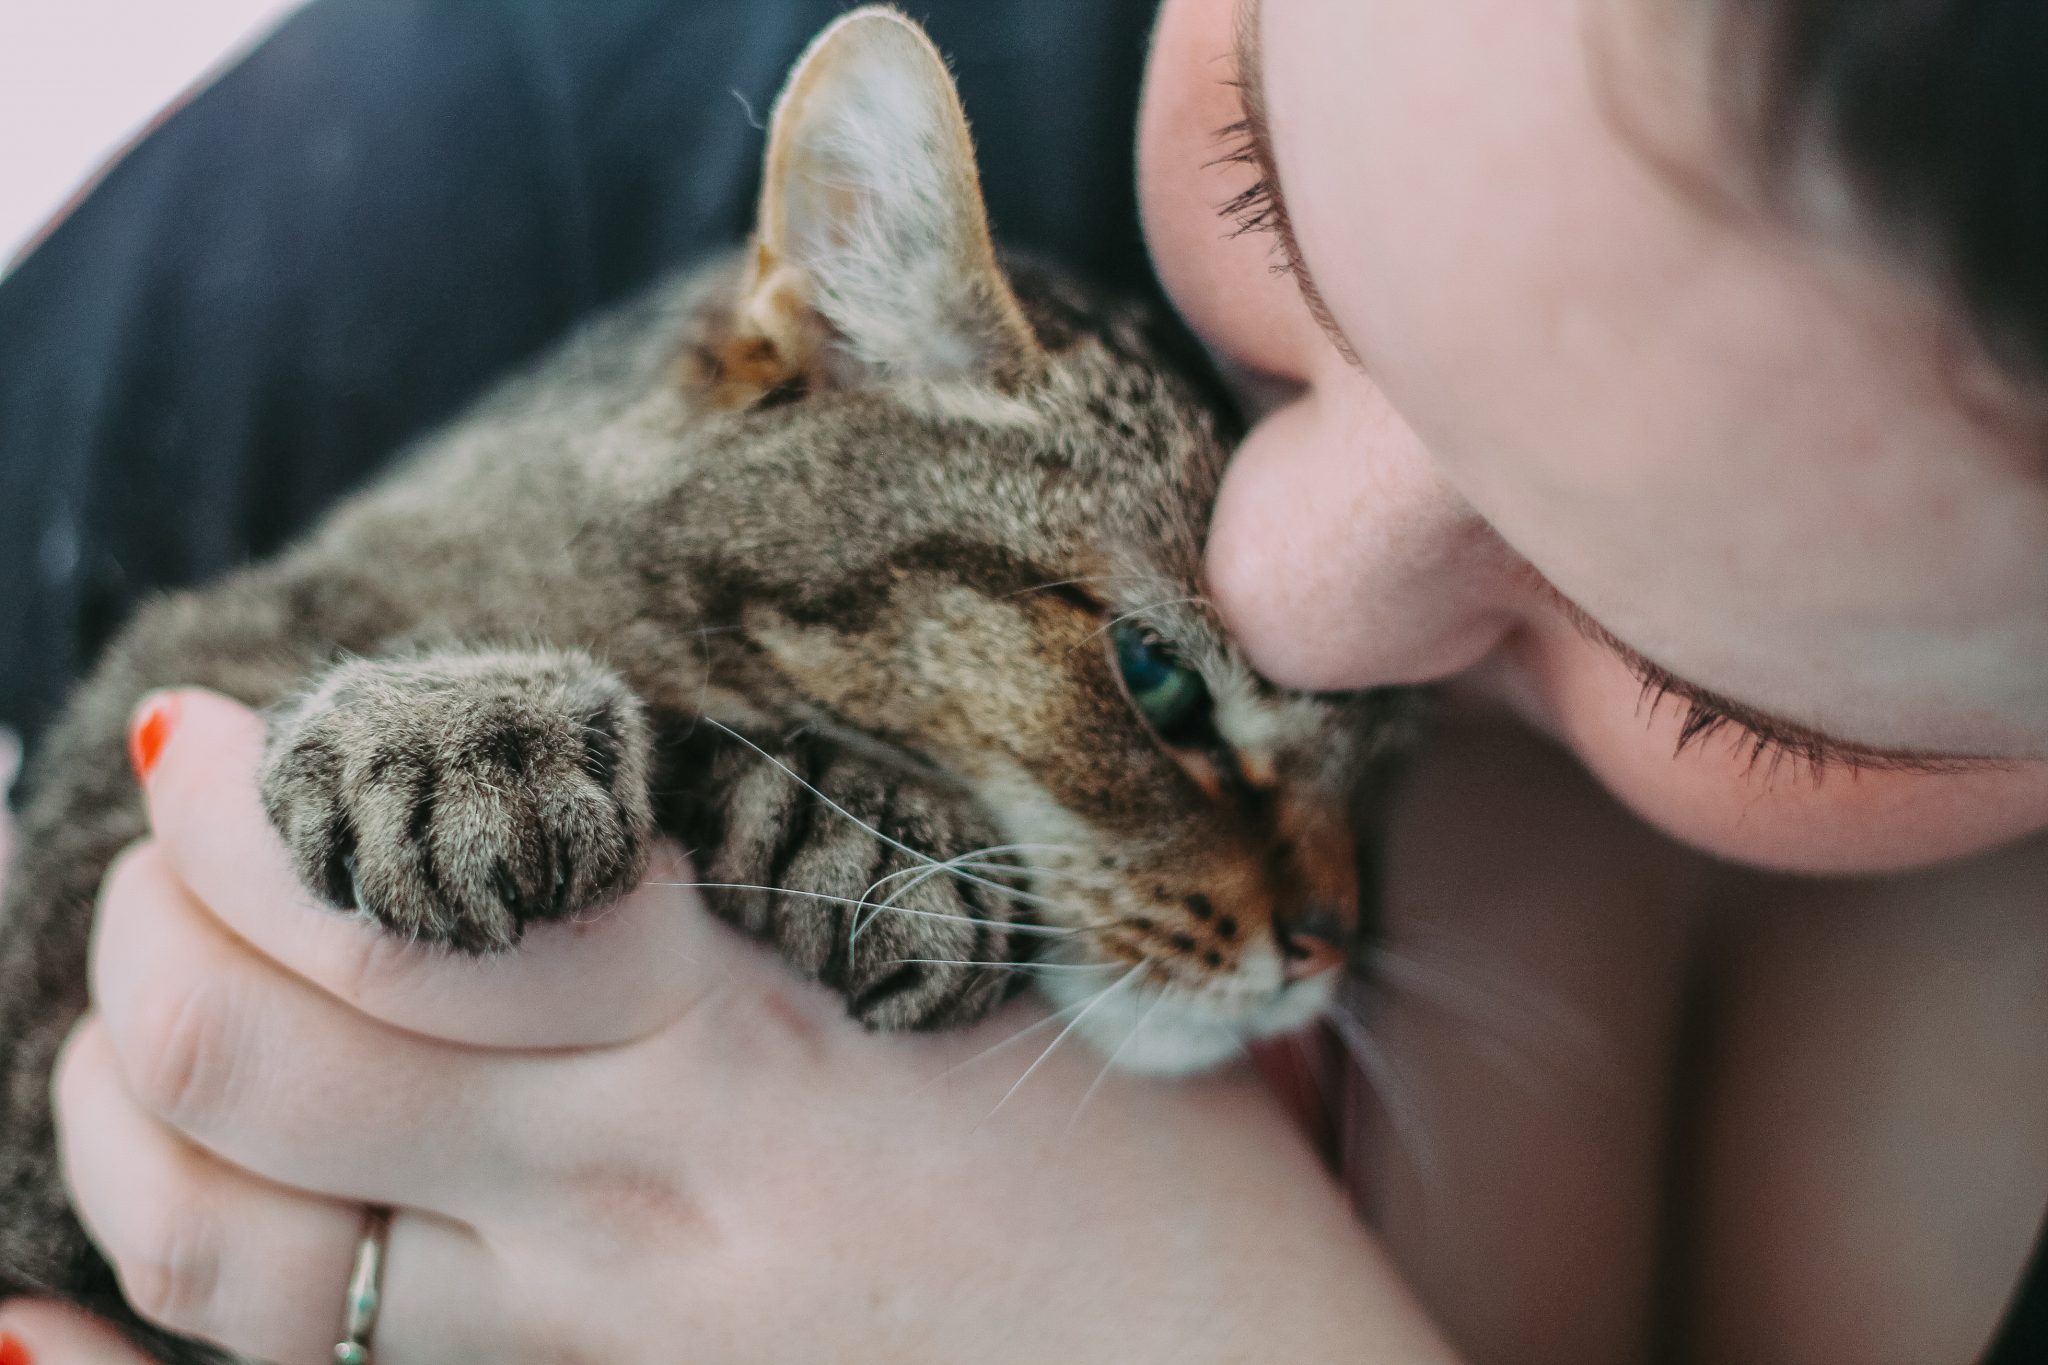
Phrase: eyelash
(1702, 720)
(1254, 210)
(1251, 210)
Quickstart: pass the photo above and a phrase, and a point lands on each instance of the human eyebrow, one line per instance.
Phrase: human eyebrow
(1262, 207)
(1769, 740)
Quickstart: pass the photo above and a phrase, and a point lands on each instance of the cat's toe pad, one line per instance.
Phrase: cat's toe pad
(458, 800)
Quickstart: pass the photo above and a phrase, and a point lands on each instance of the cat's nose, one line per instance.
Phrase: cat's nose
(1311, 941)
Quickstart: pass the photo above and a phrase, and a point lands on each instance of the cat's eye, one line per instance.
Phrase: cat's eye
(1171, 697)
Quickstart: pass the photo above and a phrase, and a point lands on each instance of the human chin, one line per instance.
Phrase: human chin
(1779, 813)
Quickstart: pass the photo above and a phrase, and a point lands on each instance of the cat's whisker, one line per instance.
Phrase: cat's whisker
(1049, 874)
(1396, 1098)
(1444, 988)
(1041, 930)
(1115, 621)
(1109, 1063)
(919, 875)
(1048, 587)
(993, 869)
(1056, 879)
(876, 909)
(1015, 926)
(1536, 1034)
(1093, 1001)
(859, 823)
(1085, 579)
(968, 859)
(1005, 966)
(1035, 1026)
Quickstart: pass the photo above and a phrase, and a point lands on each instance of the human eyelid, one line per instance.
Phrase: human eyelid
(1765, 741)
(1262, 207)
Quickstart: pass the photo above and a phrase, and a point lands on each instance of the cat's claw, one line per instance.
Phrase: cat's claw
(357, 901)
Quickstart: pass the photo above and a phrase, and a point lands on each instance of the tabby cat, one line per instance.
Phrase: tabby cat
(865, 571)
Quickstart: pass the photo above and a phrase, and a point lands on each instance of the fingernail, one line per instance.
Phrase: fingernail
(12, 1352)
(147, 735)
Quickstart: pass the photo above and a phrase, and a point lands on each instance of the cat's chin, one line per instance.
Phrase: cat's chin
(1184, 1033)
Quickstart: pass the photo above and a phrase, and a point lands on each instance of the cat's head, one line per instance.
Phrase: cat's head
(994, 565)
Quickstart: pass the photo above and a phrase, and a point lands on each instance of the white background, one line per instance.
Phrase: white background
(79, 79)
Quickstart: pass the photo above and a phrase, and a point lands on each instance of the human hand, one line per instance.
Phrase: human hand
(639, 1136)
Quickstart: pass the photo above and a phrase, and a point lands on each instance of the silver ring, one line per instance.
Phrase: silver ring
(365, 1290)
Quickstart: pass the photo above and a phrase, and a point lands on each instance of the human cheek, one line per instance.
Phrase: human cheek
(1781, 814)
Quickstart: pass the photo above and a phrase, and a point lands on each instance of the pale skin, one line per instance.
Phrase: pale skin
(1547, 372)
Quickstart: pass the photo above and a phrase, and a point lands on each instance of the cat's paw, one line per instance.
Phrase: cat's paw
(459, 798)
(889, 890)
(940, 944)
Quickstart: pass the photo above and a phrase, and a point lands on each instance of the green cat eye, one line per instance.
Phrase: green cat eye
(1171, 697)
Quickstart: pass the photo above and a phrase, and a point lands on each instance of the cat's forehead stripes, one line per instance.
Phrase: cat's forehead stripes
(1261, 727)
(1256, 719)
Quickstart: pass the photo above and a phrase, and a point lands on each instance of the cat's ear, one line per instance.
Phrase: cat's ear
(871, 260)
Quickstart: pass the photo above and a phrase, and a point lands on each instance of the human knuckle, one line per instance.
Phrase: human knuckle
(184, 1050)
(171, 1268)
(371, 967)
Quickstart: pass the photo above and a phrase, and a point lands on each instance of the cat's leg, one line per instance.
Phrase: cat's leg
(458, 796)
(885, 886)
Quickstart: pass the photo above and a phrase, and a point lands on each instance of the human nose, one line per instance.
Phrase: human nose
(1340, 557)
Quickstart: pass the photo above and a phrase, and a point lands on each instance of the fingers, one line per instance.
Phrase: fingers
(274, 1074)
(618, 975)
(196, 1246)
(207, 1251)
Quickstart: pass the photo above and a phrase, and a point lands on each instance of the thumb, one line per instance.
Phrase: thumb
(608, 977)
(34, 1333)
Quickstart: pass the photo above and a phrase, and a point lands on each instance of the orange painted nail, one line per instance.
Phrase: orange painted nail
(12, 1352)
(147, 735)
